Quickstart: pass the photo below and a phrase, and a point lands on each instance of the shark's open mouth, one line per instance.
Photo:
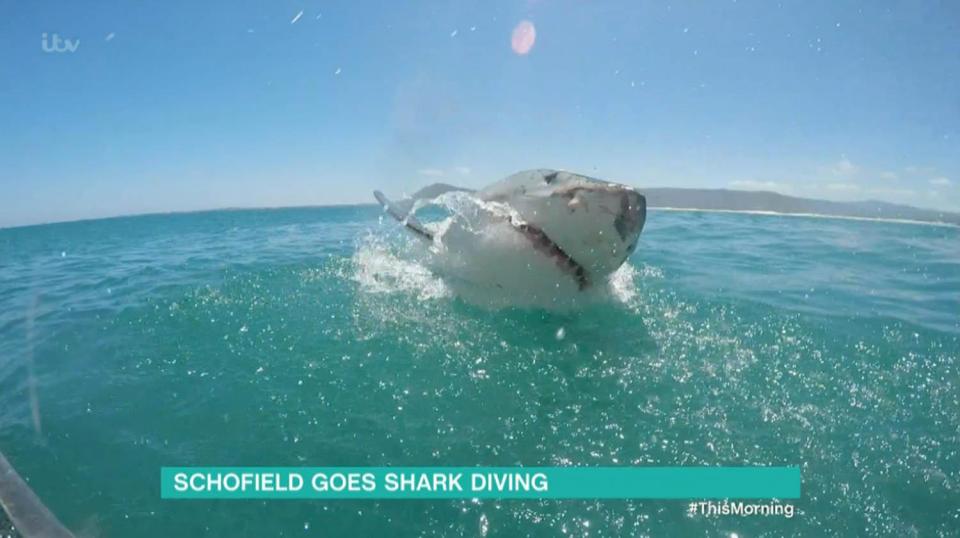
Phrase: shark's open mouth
(542, 243)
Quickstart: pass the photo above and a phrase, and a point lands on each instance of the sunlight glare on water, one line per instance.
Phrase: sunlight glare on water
(318, 337)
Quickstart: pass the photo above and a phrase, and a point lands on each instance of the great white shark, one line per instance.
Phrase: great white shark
(539, 231)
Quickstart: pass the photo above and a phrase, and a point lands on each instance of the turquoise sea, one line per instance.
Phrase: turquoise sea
(304, 337)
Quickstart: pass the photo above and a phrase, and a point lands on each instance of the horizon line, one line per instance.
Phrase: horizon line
(661, 208)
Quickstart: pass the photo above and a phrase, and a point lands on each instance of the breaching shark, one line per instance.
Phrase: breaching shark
(535, 232)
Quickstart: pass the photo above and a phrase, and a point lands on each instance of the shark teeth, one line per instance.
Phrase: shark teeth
(542, 243)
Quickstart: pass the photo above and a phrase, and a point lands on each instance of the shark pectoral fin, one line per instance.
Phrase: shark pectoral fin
(404, 217)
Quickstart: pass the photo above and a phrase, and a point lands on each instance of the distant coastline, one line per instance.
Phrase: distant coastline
(804, 215)
(765, 202)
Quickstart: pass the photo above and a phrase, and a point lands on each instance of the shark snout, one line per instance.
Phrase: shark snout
(628, 206)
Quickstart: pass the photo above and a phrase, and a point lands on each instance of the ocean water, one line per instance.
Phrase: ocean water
(308, 337)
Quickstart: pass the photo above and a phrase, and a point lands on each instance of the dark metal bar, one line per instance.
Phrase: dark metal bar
(27, 513)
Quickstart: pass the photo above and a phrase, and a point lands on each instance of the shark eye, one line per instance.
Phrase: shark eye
(548, 179)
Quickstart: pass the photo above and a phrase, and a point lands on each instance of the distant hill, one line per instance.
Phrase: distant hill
(731, 200)
(436, 189)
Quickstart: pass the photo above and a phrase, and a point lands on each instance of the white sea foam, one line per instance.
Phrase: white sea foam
(378, 270)
(623, 283)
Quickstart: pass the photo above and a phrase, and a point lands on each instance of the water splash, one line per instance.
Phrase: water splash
(380, 269)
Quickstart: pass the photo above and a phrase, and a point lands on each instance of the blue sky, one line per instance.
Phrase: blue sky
(189, 105)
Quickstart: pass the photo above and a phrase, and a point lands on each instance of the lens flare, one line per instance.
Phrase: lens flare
(523, 38)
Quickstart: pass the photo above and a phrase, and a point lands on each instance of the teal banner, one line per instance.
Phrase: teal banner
(480, 482)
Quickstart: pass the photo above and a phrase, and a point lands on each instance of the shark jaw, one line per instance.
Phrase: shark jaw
(542, 243)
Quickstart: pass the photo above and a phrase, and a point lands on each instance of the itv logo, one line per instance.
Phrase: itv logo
(54, 43)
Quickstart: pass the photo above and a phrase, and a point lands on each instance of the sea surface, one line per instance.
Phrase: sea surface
(306, 337)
